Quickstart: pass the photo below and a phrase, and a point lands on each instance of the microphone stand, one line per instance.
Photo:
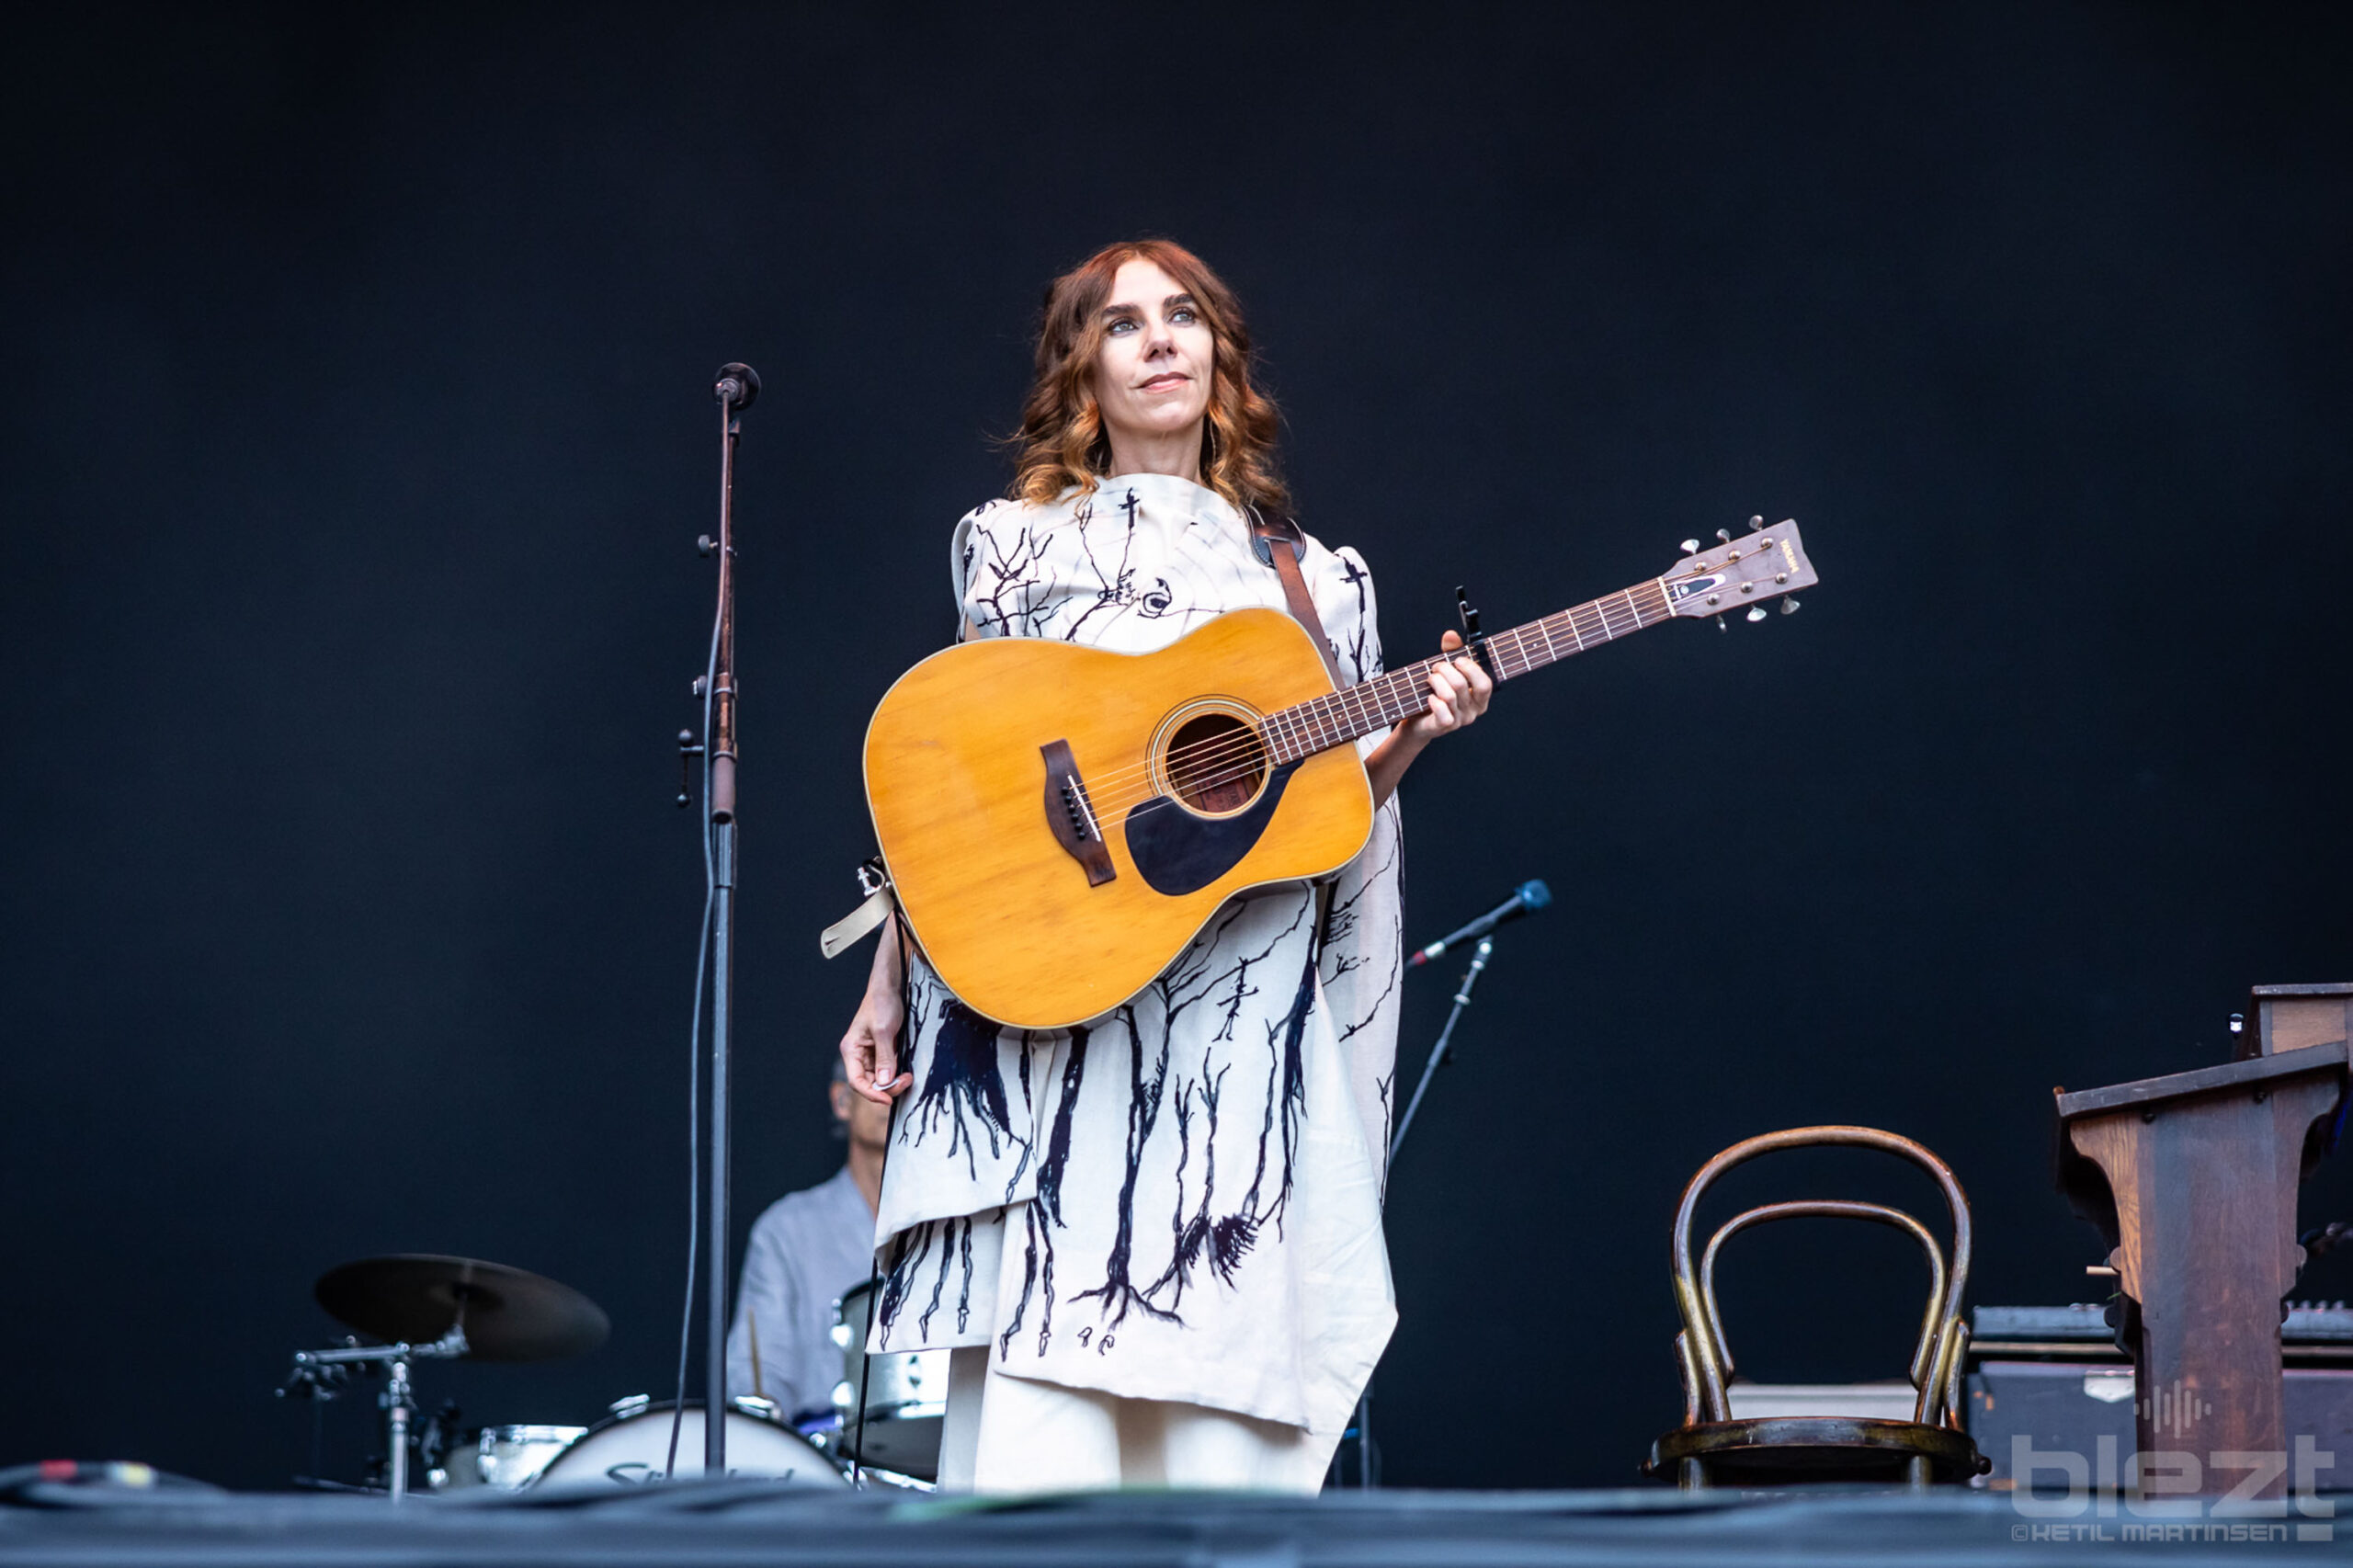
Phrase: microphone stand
(1368, 1454)
(1441, 1052)
(734, 389)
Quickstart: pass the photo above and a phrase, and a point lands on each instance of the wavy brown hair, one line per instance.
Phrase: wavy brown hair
(1062, 443)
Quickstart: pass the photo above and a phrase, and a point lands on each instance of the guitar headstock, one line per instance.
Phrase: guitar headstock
(1767, 563)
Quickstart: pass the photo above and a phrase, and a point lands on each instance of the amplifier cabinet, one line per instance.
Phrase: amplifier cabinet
(2066, 1407)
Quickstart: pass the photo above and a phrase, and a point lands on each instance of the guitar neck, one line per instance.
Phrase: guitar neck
(1326, 722)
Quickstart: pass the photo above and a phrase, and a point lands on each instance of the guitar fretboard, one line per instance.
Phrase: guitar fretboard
(1323, 722)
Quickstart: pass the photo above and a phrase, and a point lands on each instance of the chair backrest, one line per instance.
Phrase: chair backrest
(1936, 1359)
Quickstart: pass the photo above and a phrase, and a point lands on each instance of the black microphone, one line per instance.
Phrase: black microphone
(738, 385)
(1530, 896)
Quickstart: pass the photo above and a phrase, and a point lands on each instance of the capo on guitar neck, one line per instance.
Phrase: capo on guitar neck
(1470, 638)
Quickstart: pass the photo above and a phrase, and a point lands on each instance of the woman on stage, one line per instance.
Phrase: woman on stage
(1152, 1241)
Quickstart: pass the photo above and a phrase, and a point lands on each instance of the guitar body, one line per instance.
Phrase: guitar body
(999, 863)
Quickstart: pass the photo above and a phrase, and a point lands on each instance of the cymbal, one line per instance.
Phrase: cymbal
(508, 1314)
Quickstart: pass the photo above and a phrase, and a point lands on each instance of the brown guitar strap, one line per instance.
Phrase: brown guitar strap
(1279, 544)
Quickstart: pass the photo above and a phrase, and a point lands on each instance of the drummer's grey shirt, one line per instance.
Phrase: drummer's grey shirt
(806, 1250)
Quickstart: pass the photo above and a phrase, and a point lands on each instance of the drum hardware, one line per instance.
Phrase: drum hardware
(825, 1433)
(317, 1372)
(436, 1441)
(905, 1401)
(431, 1307)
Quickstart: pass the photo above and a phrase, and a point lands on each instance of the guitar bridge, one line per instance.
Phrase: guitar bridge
(1070, 815)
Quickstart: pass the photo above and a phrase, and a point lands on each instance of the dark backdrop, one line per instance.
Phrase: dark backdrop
(357, 433)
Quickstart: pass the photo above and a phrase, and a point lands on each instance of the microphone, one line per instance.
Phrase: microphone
(738, 385)
(1530, 896)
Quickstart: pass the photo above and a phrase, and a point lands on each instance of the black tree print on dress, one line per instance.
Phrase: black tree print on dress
(1114, 589)
(1043, 1215)
(1360, 640)
(962, 1085)
(998, 577)
(1340, 927)
(946, 1246)
(1185, 984)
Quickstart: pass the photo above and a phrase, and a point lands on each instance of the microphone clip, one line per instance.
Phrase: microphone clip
(737, 385)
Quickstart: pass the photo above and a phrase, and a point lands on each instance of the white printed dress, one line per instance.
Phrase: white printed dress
(1179, 1199)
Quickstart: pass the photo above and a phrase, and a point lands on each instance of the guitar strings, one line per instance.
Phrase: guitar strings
(1240, 752)
(1396, 682)
(1510, 647)
(1248, 744)
(1248, 749)
(1223, 748)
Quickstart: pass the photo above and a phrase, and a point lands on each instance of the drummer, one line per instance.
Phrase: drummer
(808, 1249)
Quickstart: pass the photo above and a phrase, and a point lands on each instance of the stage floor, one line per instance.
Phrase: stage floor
(750, 1522)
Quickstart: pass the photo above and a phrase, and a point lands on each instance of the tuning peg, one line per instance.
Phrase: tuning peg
(1690, 547)
(1789, 607)
(705, 545)
(1756, 523)
(1719, 619)
(1755, 612)
(1725, 534)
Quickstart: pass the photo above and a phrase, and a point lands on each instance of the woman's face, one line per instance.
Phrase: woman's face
(1152, 375)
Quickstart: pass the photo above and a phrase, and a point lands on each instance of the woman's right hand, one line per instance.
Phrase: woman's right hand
(870, 1049)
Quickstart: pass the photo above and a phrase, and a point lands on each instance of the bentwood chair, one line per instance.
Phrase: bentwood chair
(1714, 1448)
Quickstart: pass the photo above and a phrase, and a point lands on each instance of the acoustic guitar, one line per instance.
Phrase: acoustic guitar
(1059, 822)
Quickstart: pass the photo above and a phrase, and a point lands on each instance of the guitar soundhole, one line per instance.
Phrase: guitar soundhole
(1216, 763)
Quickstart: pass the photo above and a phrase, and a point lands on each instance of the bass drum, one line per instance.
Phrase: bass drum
(633, 1445)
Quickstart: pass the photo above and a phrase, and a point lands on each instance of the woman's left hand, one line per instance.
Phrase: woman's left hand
(1460, 691)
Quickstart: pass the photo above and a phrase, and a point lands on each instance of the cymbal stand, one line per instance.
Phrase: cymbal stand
(399, 1398)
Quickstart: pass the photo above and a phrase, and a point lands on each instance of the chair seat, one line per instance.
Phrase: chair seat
(1779, 1451)
(1889, 1399)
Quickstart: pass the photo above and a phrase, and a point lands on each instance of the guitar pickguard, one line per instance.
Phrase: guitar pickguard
(1176, 852)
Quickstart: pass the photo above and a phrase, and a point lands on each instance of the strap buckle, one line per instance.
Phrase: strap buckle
(874, 881)
(1263, 545)
(1264, 533)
